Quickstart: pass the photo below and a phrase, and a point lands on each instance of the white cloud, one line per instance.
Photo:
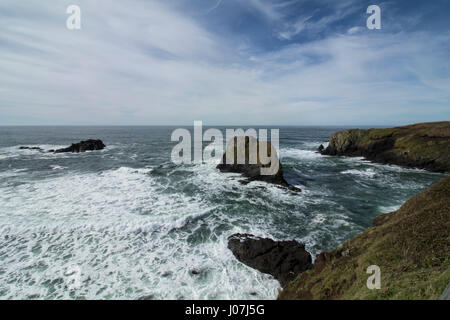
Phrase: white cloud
(294, 29)
(267, 9)
(354, 30)
(314, 23)
(145, 63)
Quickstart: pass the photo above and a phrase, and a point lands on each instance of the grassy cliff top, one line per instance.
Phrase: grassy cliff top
(411, 246)
(422, 145)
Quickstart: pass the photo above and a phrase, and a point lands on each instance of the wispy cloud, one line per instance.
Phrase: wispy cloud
(218, 3)
(151, 63)
(267, 9)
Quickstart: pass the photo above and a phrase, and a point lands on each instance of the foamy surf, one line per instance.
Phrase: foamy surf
(299, 154)
(132, 225)
(367, 173)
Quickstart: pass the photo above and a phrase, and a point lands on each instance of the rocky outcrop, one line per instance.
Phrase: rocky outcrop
(252, 170)
(88, 145)
(31, 148)
(320, 148)
(282, 259)
(410, 246)
(423, 145)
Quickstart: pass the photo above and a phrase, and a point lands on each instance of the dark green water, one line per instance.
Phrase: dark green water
(125, 222)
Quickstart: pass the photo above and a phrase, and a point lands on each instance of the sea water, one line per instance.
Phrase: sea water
(127, 223)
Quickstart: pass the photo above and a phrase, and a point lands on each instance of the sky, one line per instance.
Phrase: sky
(224, 62)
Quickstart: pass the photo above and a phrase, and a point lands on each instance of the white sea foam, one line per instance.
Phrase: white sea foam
(56, 167)
(366, 173)
(15, 152)
(116, 227)
(140, 232)
(121, 195)
(386, 209)
(314, 145)
(319, 218)
(299, 154)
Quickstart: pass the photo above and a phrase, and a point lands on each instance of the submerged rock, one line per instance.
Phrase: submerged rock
(31, 148)
(88, 145)
(253, 170)
(282, 259)
(423, 145)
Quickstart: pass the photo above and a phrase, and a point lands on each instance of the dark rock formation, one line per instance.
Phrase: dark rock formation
(320, 148)
(252, 171)
(88, 145)
(31, 148)
(195, 271)
(423, 145)
(282, 259)
(410, 245)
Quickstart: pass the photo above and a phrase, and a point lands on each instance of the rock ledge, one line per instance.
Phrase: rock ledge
(282, 259)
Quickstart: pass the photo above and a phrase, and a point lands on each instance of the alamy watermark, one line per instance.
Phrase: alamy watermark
(73, 22)
(242, 147)
(374, 21)
(374, 281)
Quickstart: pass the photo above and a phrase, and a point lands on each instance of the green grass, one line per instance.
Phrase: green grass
(411, 246)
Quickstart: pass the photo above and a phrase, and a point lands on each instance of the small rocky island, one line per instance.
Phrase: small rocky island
(252, 171)
(83, 146)
(422, 145)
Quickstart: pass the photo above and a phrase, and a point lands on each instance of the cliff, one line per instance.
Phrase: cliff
(411, 246)
(423, 145)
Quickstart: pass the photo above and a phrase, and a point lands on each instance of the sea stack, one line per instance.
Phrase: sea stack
(253, 170)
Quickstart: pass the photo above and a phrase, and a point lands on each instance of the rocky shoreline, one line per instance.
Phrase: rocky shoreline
(408, 244)
(284, 260)
(411, 246)
(422, 145)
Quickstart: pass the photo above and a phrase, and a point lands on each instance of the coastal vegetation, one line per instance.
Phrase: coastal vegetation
(422, 145)
(411, 246)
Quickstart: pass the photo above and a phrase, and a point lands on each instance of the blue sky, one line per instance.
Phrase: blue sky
(230, 62)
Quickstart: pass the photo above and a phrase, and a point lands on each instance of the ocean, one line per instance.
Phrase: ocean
(127, 223)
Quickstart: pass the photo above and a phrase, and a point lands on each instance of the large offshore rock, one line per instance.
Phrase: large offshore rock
(254, 170)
